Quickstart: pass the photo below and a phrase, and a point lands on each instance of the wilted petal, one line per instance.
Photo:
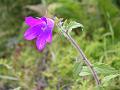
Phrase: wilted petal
(32, 32)
(41, 42)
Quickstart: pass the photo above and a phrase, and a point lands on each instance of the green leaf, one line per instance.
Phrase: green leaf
(8, 77)
(104, 69)
(109, 77)
(71, 25)
(4, 65)
(77, 68)
(18, 88)
(100, 69)
(85, 71)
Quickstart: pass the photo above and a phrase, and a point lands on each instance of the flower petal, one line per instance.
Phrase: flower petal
(34, 21)
(50, 24)
(33, 32)
(49, 37)
(44, 19)
(41, 42)
(31, 21)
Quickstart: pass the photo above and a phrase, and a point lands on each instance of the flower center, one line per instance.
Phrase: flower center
(44, 27)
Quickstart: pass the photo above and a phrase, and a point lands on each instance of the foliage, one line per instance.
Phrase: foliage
(22, 67)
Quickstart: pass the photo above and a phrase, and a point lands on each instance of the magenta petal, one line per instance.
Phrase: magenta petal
(35, 21)
(49, 37)
(41, 42)
(44, 19)
(31, 21)
(32, 32)
(41, 29)
(50, 24)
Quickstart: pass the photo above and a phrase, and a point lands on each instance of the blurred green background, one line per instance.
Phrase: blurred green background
(22, 67)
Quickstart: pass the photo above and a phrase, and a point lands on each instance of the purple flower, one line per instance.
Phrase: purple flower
(39, 29)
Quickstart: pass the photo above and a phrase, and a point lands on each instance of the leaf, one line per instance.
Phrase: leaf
(104, 69)
(71, 25)
(109, 77)
(99, 68)
(41, 8)
(85, 71)
(18, 88)
(77, 68)
(8, 77)
(4, 63)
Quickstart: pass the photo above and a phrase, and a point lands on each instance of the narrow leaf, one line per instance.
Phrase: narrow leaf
(108, 78)
(8, 77)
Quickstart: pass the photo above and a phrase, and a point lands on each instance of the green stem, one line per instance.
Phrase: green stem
(84, 58)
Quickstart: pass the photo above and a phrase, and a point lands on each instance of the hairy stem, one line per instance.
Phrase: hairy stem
(84, 58)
